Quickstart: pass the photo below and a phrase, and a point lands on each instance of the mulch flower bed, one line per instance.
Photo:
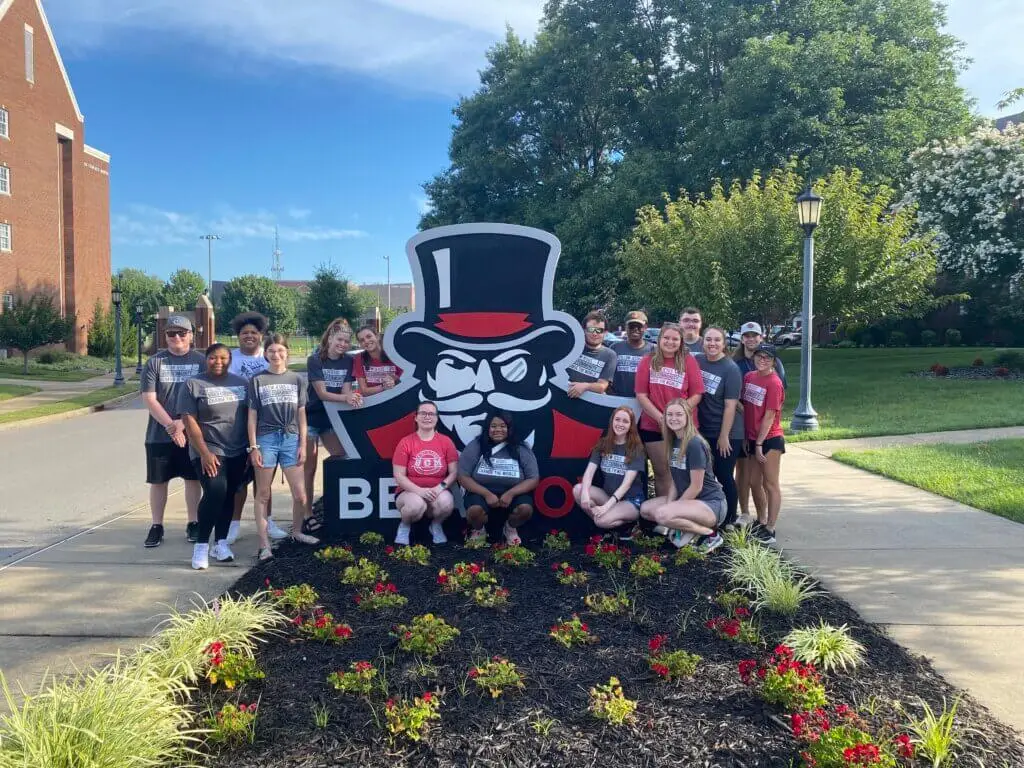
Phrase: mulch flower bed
(999, 373)
(711, 719)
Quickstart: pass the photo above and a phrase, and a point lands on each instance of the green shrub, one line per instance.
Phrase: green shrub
(953, 337)
(55, 357)
(929, 338)
(846, 344)
(897, 339)
(1009, 358)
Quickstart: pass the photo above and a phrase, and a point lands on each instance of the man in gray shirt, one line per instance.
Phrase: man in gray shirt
(594, 369)
(628, 354)
(166, 455)
(690, 321)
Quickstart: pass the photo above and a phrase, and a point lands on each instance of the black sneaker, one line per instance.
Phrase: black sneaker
(767, 535)
(192, 533)
(155, 537)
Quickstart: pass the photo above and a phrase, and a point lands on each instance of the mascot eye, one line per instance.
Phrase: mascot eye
(514, 370)
(453, 363)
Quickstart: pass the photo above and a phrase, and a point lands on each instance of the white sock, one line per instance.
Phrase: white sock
(234, 528)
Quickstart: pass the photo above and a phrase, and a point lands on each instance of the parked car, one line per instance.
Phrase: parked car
(789, 338)
(651, 335)
(611, 338)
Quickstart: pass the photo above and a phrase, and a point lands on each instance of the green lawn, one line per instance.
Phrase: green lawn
(14, 369)
(7, 391)
(863, 392)
(95, 397)
(988, 476)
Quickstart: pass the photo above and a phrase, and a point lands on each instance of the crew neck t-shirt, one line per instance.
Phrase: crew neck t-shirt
(277, 398)
(425, 461)
(666, 385)
(220, 407)
(503, 471)
(247, 366)
(593, 365)
(166, 375)
(614, 467)
(695, 347)
(374, 371)
(760, 394)
(627, 359)
(722, 381)
(747, 365)
(696, 456)
(333, 373)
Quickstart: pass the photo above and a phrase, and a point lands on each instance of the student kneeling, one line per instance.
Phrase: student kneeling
(499, 473)
(695, 505)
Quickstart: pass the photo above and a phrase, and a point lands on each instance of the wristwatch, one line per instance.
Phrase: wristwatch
(252, 448)
(444, 485)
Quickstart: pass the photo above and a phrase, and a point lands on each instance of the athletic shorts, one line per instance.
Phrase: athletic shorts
(476, 500)
(771, 444)
(166, 461)
(317, 423)
(650, 436)
(720, 507)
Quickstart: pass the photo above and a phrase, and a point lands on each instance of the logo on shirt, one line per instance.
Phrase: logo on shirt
(334, 378)
(504, 468)
(613, 464)
(668, 377)
(271, 394)
(375, 374)
(588, 366)
(249, 367)
(678, 459)
(711, 382)
(176, 374)
(627, 363)
(754, 394)
(428, 462)
(219, 395)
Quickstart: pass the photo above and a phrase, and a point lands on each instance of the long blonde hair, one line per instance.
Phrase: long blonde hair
(689, 431)
(658, 357)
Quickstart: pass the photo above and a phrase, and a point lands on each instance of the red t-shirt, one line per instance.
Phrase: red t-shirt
(666, 385)
(374, 372)
(425, 461)
(760, 394)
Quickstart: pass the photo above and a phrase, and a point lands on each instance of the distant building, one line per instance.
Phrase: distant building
(1002, 122)
(54, 188)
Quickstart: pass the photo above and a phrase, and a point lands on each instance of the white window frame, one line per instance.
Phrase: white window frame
(6, 233)
(5, 123)
(30, 54)
(5, 180)
(8, 302)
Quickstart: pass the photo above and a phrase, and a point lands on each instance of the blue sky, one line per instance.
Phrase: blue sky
(323, 117)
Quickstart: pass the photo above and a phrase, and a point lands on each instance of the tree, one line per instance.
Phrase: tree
(329, 296)
(183, 289)
(254, 293)
(102, 332)
(736, 253)
(33, 322)
(138, 288)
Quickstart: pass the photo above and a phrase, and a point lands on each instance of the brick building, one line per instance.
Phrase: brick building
(54, 188)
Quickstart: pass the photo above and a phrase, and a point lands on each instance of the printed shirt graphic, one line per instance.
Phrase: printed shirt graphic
(247, 366)
(696, 456)
(220, 407)
(333, 373)
(760, 394)
(374, 372)
(627, 361)
(722, 381)
(166, 375)
(593, 365)
(425, 461)
(614, 466)
(666, 385)
(277, 397)
(503, 471)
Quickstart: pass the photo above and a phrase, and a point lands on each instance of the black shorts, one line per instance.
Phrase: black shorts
(166, 461)
(476, 500)
(650, 436)
(739, 447)
(771, 444)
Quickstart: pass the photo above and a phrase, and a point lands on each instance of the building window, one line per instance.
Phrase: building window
(4, 122)
(30, 54)
(5, 237)
(5, 180)
(8, 302)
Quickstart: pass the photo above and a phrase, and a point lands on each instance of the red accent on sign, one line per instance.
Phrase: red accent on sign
(483, 325)
(546, 509)
(573, 440)
(385, 439)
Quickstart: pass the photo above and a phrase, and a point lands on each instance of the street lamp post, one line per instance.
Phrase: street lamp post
(209, 261)
(138, 326)
(388, 260)
(808, 206)
(115, 296)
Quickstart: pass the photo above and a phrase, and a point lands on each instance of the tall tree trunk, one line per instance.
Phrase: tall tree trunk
(24, 360)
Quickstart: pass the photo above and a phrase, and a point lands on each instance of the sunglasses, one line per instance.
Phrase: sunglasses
(595, 330)
(176, 333)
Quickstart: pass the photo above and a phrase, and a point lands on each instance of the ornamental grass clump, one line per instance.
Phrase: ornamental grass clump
(359, 679)
(337, 555)
(604, 603)
(556, 541)
(775, 583)
(417, 554)
(379, 597)
(371, 539)
(410, 719)
(464, 577)
(427, 636)
(321, 626)
(516, 555)
(934, 735)
(497, 676)
(840, 739)
(229, 668)
(297, 598)
(571, 633)
(121, 716)
(784, 593)
(826, 647)
(793, 685)
(606, 555)
(647, 567)
(609, 703)
(569, 576)
(365, 573)
(233, 724)
(670, 665)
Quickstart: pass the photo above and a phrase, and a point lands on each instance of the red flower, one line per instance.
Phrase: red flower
(297, 621)
(390, 704)
(474, 673)
(266, 582)
(568, 570)
(442, 578)
(731, 627)
(596, 538)
(862, 755)
(660, 669)
(584, 627)
(784, 651)
(656, 643)
(554, 532)
(363, 666)
(904, 746)
(475, 568)
(321, 622)
(389, 549)
(844, 711)
(378, 587)
(428, 696)
(746, 668)
(554, 566)
(742, 612)
(392, 589)
(590, 550)
(342, 631)
(358, 599)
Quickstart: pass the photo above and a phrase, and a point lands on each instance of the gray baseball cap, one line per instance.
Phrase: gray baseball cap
(179, 321)
(751, 328)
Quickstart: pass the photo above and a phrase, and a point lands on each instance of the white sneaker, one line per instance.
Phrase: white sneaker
(437, 533)
(511, 536)
(200, 557)
(660, 530)
(402, 537)
(274, 531)
(233, 530)
(305, 538)
(222, 552)
(744, 521)
(680, 538)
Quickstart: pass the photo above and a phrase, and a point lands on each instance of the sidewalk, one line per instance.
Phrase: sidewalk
(53, 391)
(944, 579)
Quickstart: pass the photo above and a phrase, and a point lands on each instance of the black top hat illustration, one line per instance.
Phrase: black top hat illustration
(485, 287)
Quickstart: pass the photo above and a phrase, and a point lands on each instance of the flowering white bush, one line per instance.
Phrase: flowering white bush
(970, 191)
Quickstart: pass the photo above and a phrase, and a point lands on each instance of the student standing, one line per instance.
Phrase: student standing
(425, 466)
(629, 353)
(215, 411)
(763, 397)
(690, 321)
(373, 370)
(593, 370)
(167, 457)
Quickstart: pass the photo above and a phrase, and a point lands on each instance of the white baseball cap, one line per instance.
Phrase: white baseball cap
(751, 328)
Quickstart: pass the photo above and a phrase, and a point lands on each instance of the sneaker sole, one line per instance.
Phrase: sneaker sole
(147, 545)
(225, 560)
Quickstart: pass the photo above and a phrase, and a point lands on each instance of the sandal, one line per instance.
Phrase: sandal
(264, 554)
(312, 526)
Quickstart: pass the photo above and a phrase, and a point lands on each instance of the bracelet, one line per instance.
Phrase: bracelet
(759, 445)
(617, 499)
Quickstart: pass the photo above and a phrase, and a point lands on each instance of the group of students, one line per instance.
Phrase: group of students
(709, 426)
(226, 418)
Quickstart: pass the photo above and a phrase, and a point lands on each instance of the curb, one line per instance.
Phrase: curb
(111, 403)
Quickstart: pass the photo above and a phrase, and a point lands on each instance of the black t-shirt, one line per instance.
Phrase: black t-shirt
(333, 373)
(696, 456)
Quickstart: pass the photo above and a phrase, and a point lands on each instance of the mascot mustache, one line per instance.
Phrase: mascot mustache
(470, 401)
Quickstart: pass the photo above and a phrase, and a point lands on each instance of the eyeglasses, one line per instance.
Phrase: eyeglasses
(595, 330)
(173, 334)
(427, 414)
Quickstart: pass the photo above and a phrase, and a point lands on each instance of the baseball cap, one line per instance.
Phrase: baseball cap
(636, 316)
(751, 328)
(766, 349)
(179, 321)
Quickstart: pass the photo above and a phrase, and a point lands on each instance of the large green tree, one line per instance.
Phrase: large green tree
(183, 289)
(329, 296)
(140, 289)
(254, 293)
(32, 322)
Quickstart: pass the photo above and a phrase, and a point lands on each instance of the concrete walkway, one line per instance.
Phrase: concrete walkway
(944, 579)
(54, 391)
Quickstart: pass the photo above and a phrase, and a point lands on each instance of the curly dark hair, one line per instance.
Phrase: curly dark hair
(512, 442)
(256, 319)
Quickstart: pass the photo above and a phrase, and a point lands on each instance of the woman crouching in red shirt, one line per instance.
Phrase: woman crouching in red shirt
(762, 397)
(425, 465)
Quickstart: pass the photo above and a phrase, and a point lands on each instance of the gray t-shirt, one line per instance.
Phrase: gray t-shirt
(722, 381)
(277, 398)
(697, 456)
(503, 471)
(247, 366)
(221, 410)
(695, 347)
(627, 358)
(593, 365)
(333, 373)
(614, 467)
(166, 374)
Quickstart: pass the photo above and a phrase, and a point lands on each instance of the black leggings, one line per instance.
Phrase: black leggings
(218, 501)
(725, 471)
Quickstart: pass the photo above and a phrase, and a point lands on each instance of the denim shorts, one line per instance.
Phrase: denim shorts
(279, 448)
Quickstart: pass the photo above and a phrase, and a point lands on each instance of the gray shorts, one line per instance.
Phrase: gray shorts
(720, 507)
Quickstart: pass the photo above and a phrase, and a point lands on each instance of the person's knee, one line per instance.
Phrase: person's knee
(476, 516)
(521, 514)
(648, 509)
(412, 507)
(577, 492)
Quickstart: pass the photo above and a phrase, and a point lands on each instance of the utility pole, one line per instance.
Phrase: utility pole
(275, 266)
(388, 260)
(209, 259)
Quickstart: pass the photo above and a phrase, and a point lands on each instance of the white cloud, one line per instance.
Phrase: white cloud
(433, 46)
(993, 31)
(146, 226)
(299, 213)
(422, 203)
